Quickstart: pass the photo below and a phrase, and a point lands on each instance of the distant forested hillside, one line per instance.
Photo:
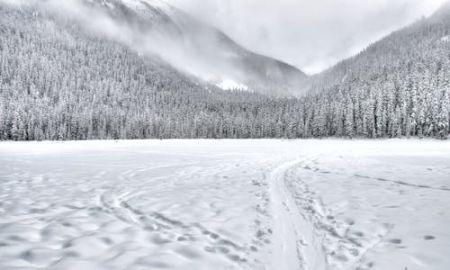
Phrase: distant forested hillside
(398, 86)
(59, 82)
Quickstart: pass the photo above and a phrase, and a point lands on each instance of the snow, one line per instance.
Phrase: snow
(445, 39)
(228, 84)
(133, 4)
(161, 4)
(231, 204)
(139, 4)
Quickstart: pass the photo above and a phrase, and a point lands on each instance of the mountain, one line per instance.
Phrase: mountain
(398, 86)
(201, 50)
(423, 42)
(62, 79)
(111, 70)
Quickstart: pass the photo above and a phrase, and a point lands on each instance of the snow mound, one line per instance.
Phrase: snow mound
(445, 39)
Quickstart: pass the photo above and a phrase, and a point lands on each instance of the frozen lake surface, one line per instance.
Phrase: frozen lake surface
(244, 204)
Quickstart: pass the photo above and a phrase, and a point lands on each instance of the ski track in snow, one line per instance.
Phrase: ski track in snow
(295, 245)
(263, 204)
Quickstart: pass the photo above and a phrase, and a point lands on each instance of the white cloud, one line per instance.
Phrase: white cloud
(149, 42)
(311, 34)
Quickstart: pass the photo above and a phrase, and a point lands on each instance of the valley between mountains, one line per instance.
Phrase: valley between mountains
(135, 135)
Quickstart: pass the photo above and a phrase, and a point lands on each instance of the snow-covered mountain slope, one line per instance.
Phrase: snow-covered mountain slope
(399, 85)
(419, 47)
(112, 69)
(202, 50)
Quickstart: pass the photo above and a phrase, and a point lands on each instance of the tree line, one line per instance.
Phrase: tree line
(58, 82)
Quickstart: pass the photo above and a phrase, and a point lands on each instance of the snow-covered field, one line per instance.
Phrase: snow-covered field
(267, 204)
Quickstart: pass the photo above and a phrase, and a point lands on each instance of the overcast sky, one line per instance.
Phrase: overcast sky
(310, 34)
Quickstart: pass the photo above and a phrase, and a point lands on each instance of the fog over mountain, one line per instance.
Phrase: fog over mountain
(157, 29)
(129, 69)
(222, 74)
(309, 34)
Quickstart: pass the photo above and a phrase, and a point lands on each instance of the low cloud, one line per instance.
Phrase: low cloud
(175, 49)
(311, 34)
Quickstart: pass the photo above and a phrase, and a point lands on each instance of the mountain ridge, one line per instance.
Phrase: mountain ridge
(224, 58)
(59, 81)
(344, 69)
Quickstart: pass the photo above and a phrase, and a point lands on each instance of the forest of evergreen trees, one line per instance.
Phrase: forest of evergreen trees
(58, 82)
